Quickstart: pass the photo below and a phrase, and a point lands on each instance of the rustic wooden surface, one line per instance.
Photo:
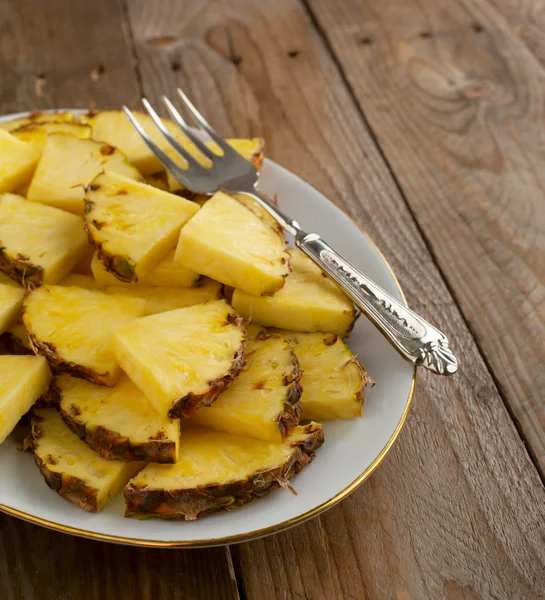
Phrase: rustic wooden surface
(422, 120)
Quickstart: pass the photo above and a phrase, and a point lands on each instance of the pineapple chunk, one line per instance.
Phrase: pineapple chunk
(132, 225)
(113, 127)
(18, 162)
(38, 244)
(334, 380)
(72, 327)
(308, 302)
(11, 300)
(71, 468)
(218, 471)
(117, 422)
(68, 164)
(228, 242)
(158, 180)
(23, 379)
(166, 273)
(264, 400)
(15, 340)
(37, 116)
(250, 149)
(183, 359)
(36, 134)
(163, 299)
(81, 281)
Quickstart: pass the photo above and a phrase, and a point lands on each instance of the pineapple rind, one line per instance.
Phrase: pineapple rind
(71, 468)
(145, 496)
(16, 341)
(118, 423)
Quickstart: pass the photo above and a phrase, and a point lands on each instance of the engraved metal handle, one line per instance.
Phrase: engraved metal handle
(416, 339)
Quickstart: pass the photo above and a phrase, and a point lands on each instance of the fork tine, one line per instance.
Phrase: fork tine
(187, 130)
(220, 141)
(166, 134)
(177, 172)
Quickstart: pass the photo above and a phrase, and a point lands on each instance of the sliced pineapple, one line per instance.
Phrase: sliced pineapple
(334, 380)
(23, 379)
(308, 302)
(113, 127)
(18, 162)
(11, 300)
(250, 149)
(72, 328)
(183, 359)
(133, 225)
(117, 422)
(264, 400)
(166, 273)
(37, 116)
(38, 244)
(82, 281)
(36, 134)
(71, 468)
(218, 471)
(230, 243)
(162, 299)
(15, 340)
(69, 164)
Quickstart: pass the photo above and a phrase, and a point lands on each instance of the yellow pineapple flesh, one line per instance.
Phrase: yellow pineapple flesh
(23, 379)
(19, 160)
(228, 242)
(308, 302)
(334, 381)
(11, 300)
(72, 328)
(182, 359)
(163, 299)
(133, 225)
(36, 134)
(264, 400)
(38, 244)
(117, 422)
(71, 468)
(218, 471)
(69, 164)
(36, 117)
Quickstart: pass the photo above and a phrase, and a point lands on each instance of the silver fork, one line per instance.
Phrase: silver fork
(416, 339)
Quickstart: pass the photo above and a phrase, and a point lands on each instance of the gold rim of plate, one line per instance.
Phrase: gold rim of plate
(241, 537)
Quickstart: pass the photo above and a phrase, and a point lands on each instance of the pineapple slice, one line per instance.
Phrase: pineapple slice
(163, 299)
(38, 244)
(230, 243)
(183, 359)
(36, 134)
(308, 302)
(18, 162)
(11, 300)
(72, 327)
(117, 422)
(82, 281)
(23, 380)
(264, 400)
(113, 127)
(37, 116)
(132, 225)
(250, 149)
(15, 340)
(334, 380)
(166, 273)
(68, 164)
(218, 471)
(71, 468)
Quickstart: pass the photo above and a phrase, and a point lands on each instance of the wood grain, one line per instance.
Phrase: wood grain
(456, 103)
(457, 508)
(66, 42)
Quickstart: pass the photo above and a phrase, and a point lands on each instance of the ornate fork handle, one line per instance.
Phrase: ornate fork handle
(415, 338)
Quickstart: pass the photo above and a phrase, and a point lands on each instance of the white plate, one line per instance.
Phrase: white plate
(352, 450)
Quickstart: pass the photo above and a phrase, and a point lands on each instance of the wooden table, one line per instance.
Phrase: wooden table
(423, 120)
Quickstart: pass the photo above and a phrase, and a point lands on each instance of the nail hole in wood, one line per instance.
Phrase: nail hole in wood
(175, 66)
(477, 27)
(366, 41)
(293, 53)
(426, 34)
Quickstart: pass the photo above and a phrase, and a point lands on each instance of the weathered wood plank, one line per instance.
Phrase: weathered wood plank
(67, 43)
(456, 102)
(457, 508)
